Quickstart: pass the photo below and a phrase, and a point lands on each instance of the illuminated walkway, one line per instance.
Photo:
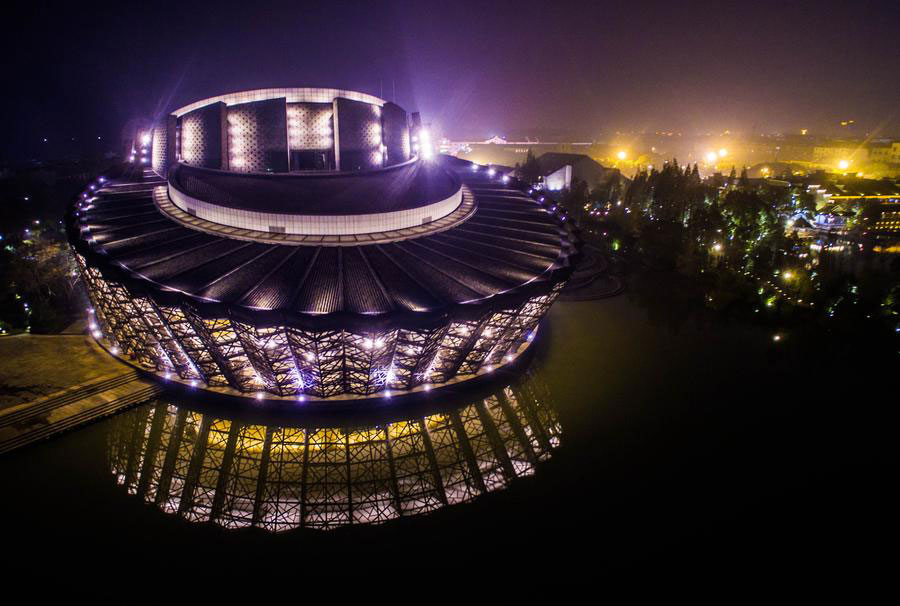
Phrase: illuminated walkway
(71, 408)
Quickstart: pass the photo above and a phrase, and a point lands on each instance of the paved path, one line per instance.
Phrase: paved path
(34, 367)
(73, 407)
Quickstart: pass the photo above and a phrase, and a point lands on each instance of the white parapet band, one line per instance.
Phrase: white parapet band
(315, 225)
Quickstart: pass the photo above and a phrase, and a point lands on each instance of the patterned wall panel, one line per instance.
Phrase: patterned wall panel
(159, 159)
(257, 137)
(396, 133)
(202, 143)
(163, 152)
(358, 129)
(310, 136)
(309, 126)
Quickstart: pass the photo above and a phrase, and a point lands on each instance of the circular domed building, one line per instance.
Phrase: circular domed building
(305, 244)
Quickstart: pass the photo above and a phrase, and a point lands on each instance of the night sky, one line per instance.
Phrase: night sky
(474, 69)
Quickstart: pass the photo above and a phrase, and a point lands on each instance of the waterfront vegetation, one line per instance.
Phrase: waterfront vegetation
(735, 245)
(38, 277)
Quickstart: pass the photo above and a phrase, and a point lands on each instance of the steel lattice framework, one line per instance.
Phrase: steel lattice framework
(319, 321)
(235, 474)
(288, 361)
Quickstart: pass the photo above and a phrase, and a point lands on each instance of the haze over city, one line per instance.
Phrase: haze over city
(574, 70)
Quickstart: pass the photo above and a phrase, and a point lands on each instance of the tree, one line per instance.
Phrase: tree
(806, 204)
(575, 198)
(530, 171)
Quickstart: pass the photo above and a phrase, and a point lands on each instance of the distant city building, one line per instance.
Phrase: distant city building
(889, 222)
(795, 148)
(631, 152)
(840, 198)
(880, 151)
(498, 150)
(560, 170)
(845, 155)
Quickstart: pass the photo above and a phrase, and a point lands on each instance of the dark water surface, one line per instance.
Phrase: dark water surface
(657, 440)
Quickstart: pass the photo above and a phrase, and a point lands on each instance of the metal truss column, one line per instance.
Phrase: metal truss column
(225, 472)
(395, 488)
(212, 346)
(349, 479)
(196, 465)
(159, 419)
(432, 461)
(468, 453)
(517, 428)
(494, 437)
(135, 443)
(263, 475)
(526, 403)
(303, 476)
(165, 477)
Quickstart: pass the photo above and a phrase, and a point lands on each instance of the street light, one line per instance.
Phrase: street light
(621, 155)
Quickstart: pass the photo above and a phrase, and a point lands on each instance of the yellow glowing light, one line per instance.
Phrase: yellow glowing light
(621, 155)
(711, 157)
(723, 152)
(787, 275)
(843, 164)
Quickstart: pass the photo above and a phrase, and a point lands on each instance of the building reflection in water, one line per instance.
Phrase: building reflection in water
(206, 468)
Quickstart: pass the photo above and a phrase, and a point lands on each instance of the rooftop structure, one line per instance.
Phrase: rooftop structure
(314, 284)
(559, 170)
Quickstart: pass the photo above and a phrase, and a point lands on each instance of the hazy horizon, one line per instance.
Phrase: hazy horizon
(474, 69)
